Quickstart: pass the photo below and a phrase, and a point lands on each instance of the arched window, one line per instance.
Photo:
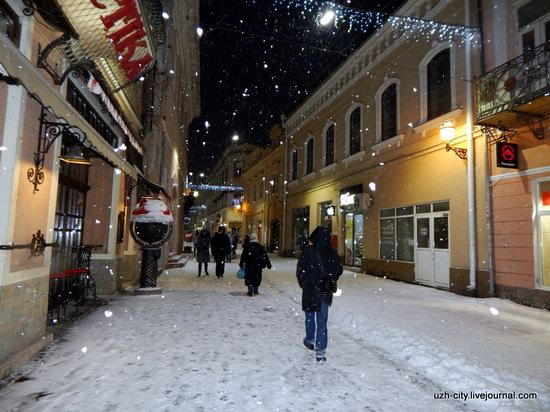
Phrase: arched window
(388, 102)
(329, 145)
(294, 165)
(354, 128)
(439, 84)
(309, 155)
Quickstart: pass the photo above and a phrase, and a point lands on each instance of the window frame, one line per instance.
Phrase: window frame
(351, 110)
(309, 167)
(423, 71)
(328, 125)
(379, 109)
(293, 164)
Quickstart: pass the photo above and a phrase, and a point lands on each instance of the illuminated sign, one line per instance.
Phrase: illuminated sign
(347, 199)
(507, 155)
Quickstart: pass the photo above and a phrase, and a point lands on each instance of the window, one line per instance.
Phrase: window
(239, 168)
(439, 84)
(294, 165)
(329, 145)
(9, 23)
(397, 234)
(309, 156)
(274, 183)
(326, 213)
(534, 26)
(389, 112)
(354, 127)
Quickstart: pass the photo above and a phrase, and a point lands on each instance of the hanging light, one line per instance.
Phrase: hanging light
(75, 156)
(447, 131)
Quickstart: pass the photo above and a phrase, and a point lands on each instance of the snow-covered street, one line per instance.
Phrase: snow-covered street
(203, 345)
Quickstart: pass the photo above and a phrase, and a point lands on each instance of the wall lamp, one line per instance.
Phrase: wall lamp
(47, 134)
(447, 133)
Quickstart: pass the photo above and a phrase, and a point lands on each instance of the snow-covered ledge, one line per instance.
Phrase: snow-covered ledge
(437, 122)
(328, 169)
(394, 141)
(292, 184)
(354, 158)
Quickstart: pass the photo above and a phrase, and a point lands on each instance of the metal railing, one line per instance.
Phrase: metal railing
(514, 83)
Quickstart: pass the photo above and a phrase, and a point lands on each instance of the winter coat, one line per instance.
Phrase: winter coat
(314, 283)
(221, 246)
(254, 258)
(203, 246)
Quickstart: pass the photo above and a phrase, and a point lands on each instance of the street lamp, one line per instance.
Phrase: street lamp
(327, 18)
(235, 137)
(447, 132)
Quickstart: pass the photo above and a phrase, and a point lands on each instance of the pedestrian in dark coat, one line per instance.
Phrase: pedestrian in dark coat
(220, 246)
(203, 250)
(253, 259)
(318, 269)
(246, 240)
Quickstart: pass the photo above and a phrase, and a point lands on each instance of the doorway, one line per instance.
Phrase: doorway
(432, 249)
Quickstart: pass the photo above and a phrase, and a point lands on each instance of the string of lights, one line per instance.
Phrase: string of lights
(363, 20)
(205, 187)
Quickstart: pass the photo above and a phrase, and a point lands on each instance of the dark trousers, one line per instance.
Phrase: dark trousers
(205, 267)
(220, 266)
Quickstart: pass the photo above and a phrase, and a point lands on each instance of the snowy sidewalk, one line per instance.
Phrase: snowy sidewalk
(206, 346)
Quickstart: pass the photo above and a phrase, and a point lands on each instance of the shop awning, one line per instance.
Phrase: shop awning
(20, 68)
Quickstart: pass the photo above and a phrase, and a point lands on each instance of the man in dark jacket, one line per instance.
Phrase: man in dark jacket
(318, 269)
(220, 246)
(253, 259)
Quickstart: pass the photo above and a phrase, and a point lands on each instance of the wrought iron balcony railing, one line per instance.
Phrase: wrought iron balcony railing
(513, 88)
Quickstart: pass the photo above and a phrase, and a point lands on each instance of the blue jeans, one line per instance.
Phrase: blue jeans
(317, 322)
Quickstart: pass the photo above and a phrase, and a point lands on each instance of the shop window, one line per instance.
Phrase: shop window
(397, 234)
(329, 145)
(309, 156)
(389, 112)
(326, 213)
(439, 84)
(300, 232)
(9, 23)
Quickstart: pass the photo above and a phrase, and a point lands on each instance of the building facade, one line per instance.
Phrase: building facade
(264, 197)
(74, 149)
(222, 194)
(367, 157)
(513, 107)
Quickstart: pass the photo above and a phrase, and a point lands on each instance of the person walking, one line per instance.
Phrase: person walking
(203, 251)
(196, 234)
(317, 271)
(253, 259)
(220, 246)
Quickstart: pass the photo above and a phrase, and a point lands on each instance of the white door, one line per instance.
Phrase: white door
(432, 249)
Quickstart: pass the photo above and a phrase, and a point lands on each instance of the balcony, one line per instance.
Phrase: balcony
(516, 93)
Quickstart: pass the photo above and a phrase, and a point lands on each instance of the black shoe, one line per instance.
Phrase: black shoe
(309, 345)
(249, 293)
(207, 274)
(199, 275)
(321, 360)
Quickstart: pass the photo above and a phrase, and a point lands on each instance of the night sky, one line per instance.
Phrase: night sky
(260, 59)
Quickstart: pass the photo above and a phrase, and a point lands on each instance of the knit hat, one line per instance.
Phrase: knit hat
(253, 237)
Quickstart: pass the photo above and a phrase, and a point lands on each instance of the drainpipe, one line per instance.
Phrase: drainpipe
(283, 242)
(471, 156)
(489, 216)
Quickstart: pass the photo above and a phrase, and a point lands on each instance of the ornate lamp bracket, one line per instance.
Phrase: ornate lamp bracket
(459, 151)
(47, 134)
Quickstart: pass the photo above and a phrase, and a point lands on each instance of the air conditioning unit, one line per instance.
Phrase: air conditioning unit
(362, 201)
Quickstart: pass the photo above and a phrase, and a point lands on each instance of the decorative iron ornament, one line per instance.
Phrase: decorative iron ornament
(498, 134)
(36, 246)
(47, 134)
(459, 151)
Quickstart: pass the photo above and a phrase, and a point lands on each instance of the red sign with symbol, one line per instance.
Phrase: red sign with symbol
(507, 155)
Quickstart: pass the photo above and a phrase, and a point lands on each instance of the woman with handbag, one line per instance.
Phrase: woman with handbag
(253, 259)
(318, 269)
